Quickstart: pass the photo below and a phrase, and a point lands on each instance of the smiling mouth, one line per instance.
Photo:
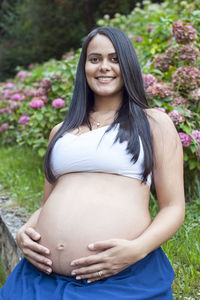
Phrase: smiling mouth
(105, 79)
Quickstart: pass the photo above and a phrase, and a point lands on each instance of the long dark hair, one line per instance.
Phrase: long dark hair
(131, 115)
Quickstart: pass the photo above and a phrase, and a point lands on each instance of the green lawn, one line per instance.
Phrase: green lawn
(21, 172)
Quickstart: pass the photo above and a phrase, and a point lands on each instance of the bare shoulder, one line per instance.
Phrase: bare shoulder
(161, 124)
(54, 130)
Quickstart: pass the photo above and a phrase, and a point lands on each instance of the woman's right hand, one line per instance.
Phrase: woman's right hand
(27, 239)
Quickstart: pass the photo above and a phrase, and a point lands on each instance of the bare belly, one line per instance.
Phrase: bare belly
(88, 207)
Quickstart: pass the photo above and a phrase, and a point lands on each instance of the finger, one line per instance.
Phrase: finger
(32, 233)
(102, 245)
(92, 276)
(90, 280)
(41, 267)
(89, 260)
(88, 270)
(27, 243)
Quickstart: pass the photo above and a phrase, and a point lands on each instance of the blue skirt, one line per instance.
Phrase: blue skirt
(147, 279)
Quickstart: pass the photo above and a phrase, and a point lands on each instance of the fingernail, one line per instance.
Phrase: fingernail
(91, 246)
(47, 251)
(48, 262)
(73, 273)
(89, 281)
(49, 270)
(78, 277)
(72, 263)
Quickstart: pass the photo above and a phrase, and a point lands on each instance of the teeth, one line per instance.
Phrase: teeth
(105, 78)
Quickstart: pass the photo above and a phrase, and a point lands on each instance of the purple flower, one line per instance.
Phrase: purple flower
(46, 83)
(4, 127)
(150, 28)
(24, 119)
(148, 80)
(196, 135)
(184, 33)
(9, 85)
(179, 100)
(176, 117)
(185, 139)
(161, 90)
(194, 95)
(186, 78)
(138, 39)
(36, 103)
(17, 97)
(58, 103)
(21, 74)
(4, 110)
(162, 62)
(14, 105)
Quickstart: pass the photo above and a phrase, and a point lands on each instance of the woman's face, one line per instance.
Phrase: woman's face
(102, 67)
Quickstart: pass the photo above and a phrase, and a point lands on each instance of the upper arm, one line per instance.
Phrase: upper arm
(168, 161)
(48, 187)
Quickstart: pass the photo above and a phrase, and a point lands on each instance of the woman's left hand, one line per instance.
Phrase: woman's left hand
(115, 255)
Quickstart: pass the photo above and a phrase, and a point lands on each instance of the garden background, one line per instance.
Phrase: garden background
(39, 52)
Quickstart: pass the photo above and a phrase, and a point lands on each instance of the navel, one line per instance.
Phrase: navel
(60, 246)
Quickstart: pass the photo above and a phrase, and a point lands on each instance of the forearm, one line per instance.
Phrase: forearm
(163, 227)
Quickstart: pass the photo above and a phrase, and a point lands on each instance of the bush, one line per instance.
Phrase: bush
(171, 79)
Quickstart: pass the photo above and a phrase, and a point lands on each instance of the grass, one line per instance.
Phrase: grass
(21, 173)
(2, 274)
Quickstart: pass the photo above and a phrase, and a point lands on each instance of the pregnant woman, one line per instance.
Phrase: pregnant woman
(93, 237)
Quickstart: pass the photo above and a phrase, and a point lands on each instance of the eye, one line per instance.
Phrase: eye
(94, 60)
(115, 59)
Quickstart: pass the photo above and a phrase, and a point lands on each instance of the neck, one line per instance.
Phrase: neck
(104, 104)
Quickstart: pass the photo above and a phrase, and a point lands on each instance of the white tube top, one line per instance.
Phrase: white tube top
(88, 153)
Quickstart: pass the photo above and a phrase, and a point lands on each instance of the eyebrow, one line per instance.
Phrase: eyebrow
(98, 54)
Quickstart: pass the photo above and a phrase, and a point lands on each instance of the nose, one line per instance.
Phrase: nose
(105, 66)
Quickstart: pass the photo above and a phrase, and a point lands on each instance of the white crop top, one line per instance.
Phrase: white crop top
(88, 153)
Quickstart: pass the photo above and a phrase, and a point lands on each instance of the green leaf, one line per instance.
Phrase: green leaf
(41, 152)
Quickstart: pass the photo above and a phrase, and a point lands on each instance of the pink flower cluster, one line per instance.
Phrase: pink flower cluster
(194, 95)
(150, 28)
(178, 100)
(184, 33)
(162, 62)
(58, 103)
(185, 139)
(148, 80)
(24, 119)
(188, 53)
(158, 89)
(176, 117)
(186, 78)
(23, 74)
(4, 127)
(196, 135)
(36, 103)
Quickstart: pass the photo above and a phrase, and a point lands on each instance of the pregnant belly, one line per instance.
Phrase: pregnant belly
(71, 220)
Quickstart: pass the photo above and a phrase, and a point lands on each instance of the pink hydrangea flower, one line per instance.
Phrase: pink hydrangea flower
(14, 105)
(194, 95)
(21, 74)
(148, 80)
(185, 139)
(158, 89)
(186, 78)
(150, 28)
(58, 103)
(46, 83)
(4, 110)
(178, 100)
(24, 119)
(17, 97)
(138, 39)
(176, 117)
(9, 85)
(196, 135)
(36, 103)
(4, 127)
(184, 33)
(162, 62)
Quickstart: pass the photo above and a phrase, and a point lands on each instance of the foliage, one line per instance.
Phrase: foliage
(163, 67)
(35, 31)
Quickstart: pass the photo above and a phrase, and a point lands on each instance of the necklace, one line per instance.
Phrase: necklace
(98, 123)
